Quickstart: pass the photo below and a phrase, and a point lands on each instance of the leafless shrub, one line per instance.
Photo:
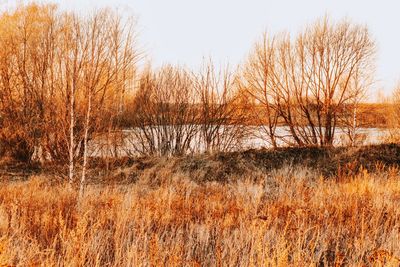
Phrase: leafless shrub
(164, 118)
(222, 124)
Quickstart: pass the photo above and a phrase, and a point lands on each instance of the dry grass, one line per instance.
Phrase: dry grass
(292, 218)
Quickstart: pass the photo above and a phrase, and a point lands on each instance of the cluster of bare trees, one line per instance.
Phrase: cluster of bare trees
(62, 79)
(69, 85)
(65, 79)
(176, 112)
(312, 83)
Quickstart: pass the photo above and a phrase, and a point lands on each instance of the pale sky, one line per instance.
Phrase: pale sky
(185, 31)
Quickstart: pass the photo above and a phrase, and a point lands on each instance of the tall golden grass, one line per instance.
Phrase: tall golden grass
(292, 218)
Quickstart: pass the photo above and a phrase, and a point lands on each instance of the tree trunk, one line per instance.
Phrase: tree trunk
(85, 145)
(71, 136)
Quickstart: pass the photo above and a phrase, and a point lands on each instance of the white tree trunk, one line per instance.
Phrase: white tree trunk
(85, 145)
(71, 136)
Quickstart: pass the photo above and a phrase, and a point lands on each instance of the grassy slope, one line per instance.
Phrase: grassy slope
(226, 167)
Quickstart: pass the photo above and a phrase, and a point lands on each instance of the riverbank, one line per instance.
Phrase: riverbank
(221, 167)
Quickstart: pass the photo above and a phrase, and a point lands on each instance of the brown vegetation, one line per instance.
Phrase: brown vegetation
(76, 112)
(233, 166)
(223, 167)
(61, 82)
(292, 217)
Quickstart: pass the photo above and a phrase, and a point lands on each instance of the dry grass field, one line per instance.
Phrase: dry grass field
(291, 217)
(110, 159)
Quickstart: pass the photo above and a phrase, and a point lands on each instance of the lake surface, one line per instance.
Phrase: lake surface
(257, 139)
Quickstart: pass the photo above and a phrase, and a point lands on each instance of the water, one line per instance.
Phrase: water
(125, 143)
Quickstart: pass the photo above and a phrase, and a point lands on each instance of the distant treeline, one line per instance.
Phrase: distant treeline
(370, 115)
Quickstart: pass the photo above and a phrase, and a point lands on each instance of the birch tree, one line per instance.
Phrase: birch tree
(110, 56)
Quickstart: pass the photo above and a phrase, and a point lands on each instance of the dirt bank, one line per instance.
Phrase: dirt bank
(223, 167)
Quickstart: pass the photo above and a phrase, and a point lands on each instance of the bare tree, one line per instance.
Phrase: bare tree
(310, 79)
(348, 118)
(331, 55)
(110, 56)
(27, 41)
(257, 82)
(163, 116)
(222, 120)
